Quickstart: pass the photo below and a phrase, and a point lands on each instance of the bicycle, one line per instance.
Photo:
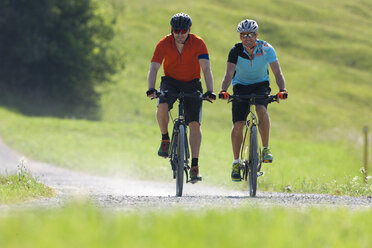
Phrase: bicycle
(179, 154)
(250, 153)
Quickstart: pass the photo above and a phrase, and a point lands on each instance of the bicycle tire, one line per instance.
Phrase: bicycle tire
(253, 162)
(244, 153)
(181, 160)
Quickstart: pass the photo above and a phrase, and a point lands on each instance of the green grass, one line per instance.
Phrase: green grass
(81, 225)
(21, 187)
(316, 134)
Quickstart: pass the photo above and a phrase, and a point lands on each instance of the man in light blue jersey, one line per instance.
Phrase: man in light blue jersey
(247, 70)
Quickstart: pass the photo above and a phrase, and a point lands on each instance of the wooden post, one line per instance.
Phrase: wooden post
(365, 131)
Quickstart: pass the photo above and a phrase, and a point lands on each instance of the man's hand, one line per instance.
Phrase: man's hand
(223, 95)
(283, 94)
(151, 93)
(209, 95)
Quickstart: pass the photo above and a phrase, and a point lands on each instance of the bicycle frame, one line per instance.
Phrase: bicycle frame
(250, 153)
(179, 152)
(251, 121)
(180, 121)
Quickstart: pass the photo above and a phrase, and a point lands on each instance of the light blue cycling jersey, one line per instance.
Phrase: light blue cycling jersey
(252, 70)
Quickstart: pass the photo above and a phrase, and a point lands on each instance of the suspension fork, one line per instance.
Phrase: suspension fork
(183, 122)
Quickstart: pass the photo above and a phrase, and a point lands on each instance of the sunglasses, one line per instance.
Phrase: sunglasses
(182, 31)
(249, 35)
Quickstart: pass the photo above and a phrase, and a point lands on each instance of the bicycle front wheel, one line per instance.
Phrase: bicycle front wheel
(181, 160)
(253, 161)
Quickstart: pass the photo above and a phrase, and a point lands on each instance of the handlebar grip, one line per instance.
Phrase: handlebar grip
(151, 91)
(271, 98)
(223, 95)
(282, 95)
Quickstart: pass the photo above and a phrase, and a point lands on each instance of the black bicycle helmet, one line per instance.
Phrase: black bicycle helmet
(181, 21)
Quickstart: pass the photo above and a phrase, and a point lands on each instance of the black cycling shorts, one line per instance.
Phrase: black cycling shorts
(192, 106)
(240, 110)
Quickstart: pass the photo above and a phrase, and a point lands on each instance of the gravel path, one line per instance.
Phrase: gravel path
(133, 195)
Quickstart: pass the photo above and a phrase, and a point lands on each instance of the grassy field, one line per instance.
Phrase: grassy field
(316, 138)
(81, 225)
(324, 51)
(21, 187)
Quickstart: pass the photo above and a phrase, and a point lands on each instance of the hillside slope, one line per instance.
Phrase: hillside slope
(324, 51)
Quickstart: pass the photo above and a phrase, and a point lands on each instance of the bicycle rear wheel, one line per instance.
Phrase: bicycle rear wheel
(181, 160)
(253, 161)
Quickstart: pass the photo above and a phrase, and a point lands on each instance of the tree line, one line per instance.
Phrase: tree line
(53, 53)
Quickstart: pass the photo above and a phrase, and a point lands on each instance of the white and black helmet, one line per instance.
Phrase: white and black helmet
(247, 26)
(181, 21)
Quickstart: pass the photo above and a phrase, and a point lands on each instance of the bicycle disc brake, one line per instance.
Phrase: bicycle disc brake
(173, 168)
(187, 174)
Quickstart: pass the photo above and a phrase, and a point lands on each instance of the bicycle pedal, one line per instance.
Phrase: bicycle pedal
(195, 180)
(237, 180)
(267, 161)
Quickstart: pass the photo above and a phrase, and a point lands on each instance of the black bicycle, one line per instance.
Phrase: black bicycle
(250, 153)
(179, 153)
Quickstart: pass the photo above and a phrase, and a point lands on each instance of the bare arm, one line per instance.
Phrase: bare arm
(280, 81)
(230, 70)
(153, 72)
(208, 77)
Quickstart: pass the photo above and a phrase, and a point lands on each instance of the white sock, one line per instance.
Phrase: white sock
(235, 161)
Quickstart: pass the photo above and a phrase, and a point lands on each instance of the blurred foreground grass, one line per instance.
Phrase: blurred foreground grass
(81, 225)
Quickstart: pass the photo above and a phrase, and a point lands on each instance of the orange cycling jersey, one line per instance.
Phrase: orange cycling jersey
(181, 66)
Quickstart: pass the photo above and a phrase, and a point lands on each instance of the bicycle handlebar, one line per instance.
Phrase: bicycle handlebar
(182, 95)
(251, 98)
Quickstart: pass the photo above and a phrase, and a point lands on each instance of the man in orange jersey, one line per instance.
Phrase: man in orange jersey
(183, 54)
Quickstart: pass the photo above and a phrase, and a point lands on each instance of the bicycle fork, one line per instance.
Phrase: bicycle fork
(174, 154)
(251, 124)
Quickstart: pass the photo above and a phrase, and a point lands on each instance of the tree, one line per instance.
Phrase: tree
(54, 53)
